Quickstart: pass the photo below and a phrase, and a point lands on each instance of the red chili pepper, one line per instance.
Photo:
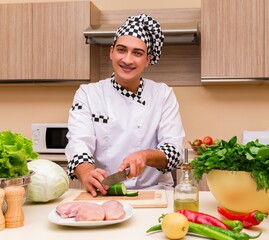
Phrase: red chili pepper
(202, 218)
(253, 218)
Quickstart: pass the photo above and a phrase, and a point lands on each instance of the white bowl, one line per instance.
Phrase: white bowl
(237, 191)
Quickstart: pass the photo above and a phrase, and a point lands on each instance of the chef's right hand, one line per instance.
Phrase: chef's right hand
(136, 162)
(91, 178)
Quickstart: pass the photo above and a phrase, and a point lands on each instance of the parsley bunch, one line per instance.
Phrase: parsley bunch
(232, 156)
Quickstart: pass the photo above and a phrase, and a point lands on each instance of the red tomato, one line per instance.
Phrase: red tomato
(197, 142)
(208, 140)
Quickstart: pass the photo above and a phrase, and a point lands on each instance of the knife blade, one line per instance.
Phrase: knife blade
(116, 177)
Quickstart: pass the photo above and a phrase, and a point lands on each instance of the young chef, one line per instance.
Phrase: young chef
(126, 120)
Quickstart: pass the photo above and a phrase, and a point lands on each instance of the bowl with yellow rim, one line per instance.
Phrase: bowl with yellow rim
(237, 191)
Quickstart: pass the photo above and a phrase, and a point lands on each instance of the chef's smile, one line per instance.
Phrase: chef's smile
(127, 68)
(129, 59)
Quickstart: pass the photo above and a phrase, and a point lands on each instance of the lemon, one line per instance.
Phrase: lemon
(175, 225)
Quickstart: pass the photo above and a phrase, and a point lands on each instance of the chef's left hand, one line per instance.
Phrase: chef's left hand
(136, 161)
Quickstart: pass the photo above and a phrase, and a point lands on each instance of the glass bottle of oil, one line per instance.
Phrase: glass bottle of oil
(186, 193)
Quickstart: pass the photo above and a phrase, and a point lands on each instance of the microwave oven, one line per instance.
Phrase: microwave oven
(49, 138)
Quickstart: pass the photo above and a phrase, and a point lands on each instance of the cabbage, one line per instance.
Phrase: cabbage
(49, 182)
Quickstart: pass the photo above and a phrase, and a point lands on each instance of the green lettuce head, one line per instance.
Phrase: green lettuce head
(15, 151)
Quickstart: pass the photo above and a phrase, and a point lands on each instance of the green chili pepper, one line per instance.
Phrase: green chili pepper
(155, 228)
(234, 225)
(211, 232)
(234, 235)
(204, 230)
(198, 229)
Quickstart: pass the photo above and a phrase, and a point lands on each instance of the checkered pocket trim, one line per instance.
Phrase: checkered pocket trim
(100, 118)
(172, 156)
(76, 106)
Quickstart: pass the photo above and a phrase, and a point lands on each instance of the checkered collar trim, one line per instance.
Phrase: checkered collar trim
(127, 93)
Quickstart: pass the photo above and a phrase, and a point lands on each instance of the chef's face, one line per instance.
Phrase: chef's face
(129, 59)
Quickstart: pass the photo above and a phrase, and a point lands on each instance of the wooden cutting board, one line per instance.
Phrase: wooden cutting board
(145, 198)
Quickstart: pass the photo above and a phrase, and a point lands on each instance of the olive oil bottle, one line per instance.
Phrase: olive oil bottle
(186, 193)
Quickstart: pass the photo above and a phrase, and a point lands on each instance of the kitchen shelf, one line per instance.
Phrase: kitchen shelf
(234, 81)
(48, 82)
(178, 33)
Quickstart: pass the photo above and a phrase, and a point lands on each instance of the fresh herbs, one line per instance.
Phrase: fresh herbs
(232, 156)
(15, 150)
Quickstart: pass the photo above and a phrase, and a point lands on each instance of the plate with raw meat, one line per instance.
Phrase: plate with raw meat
(56, 218)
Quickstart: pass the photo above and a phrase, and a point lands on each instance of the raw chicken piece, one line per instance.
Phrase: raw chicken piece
(68, 209)
(113, 210)
(90, 212)
(86, 211)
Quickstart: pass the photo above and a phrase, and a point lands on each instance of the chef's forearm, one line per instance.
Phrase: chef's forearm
(82, 170)
(155, 158)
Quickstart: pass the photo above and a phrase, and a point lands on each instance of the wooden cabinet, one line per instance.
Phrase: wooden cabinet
(15, 41)
(266, 39)
(233, 40)
(59, 49)
(44, 41)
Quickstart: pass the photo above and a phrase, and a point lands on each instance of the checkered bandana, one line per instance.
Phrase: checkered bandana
(127, 93)
(148, 30)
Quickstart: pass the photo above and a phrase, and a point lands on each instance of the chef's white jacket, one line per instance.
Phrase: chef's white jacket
(107, 123)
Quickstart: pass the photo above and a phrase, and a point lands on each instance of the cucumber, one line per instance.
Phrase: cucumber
(131, 193)
(119, 189)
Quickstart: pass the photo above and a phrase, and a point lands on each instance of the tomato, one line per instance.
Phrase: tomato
(175, 225)
(197, 142)
(208, 140)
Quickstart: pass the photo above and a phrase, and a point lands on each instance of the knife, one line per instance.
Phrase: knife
(116, 177)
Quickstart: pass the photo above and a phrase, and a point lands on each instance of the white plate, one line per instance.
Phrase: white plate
(54, 217)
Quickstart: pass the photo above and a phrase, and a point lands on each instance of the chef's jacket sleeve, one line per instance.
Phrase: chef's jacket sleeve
(81, 137)
(171, 133)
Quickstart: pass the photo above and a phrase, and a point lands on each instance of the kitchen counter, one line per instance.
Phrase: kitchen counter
(37, 226)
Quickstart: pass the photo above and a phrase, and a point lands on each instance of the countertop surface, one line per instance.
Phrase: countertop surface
(37, 226)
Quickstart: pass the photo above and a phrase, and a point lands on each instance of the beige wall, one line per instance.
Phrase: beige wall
(223, 111)
(22, 106)
(220, 111)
